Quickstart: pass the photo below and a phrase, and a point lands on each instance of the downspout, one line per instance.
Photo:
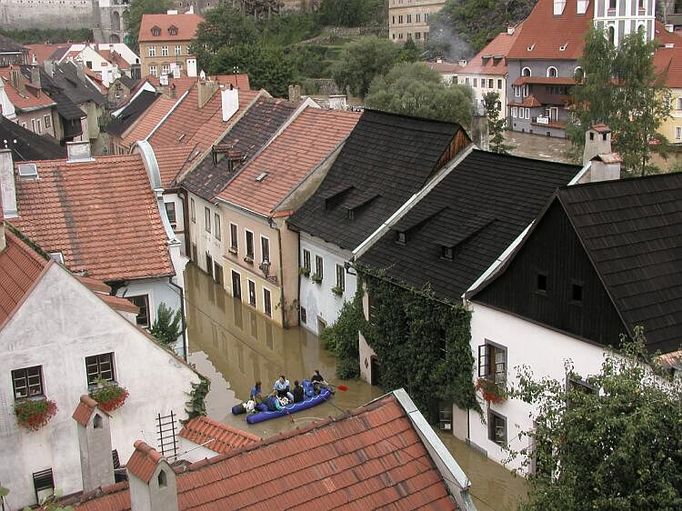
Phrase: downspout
(271, 223)
(182, 317)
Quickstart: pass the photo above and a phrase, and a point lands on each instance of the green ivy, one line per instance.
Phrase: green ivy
(341, 338)
(196, 406)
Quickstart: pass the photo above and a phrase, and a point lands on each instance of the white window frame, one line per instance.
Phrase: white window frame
(265, 307)
(514, 111)
(192, 211)
(207, 219)
(319, 268)
(178, 50)
(151, 51)
(252, 255)
(551, 69)
(530, 73)
(262, 254)
(234, 237)
(341, 277)
(153, 71)
(678, 132)
(164, 51)
(249, 284)
(216, 227)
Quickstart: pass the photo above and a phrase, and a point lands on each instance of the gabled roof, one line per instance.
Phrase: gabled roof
(543, 34)
(26, 145)
(105, 223)
(128, 81)
(66, 80)
(145, 124)
(133, 111)
(371, 458)
(664, 37)
(8, 45)
(31, 98)
(216, 436)
(390, 156)
(248, 136)
(265, 181)
(477, 210)
(42, 52)
(84, 410)
(172, 159)
(186, 25)
(668, 64)
(492, 60)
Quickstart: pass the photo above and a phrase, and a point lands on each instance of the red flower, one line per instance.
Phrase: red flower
(34, 414)
(109, 396)
(491, 391)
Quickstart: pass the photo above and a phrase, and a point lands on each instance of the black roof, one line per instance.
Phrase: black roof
(385, 160)
(632, 232)
(258, 125)
(26, 145)
(475, 212)
(8, 45)
(131, 113)
(65, 79)
(128, 81)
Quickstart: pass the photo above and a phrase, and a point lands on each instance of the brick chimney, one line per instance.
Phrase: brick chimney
(35, 76)
(152, 481)
(8, 193)
(78, 152)
(17, 80)
(230, 102)
(294, 92)
(48, 65)
(206, 89)
(94, 444)
(604, 163)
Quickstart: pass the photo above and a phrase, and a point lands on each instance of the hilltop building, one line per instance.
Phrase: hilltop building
(409, 19)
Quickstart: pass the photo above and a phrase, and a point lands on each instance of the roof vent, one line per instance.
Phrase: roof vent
(669, 45)
(261, 176)
(28, 170)
(78, 152)
(563, 47)
(531, 47)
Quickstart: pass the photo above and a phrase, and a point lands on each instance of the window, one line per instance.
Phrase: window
(527, 113)
(265, 249)
(252, 293)
(340, 277)
(612, 34)
(393, 20)
(234, 243)
(466, 80)
(319, 267)
(173, 30)
(400, 19)
(249, 245)
(153, 71)
(497, 428)
(517, 92)
(678, 133)
(304, 315)
(409, 18)
(142, 301)
(207, 219)
(612, 4)
(57, 257)
(192, 211)
(162, 479)
(552, 72)
(216, 226)
(514, 111)
(475, 82)
(33, 126)
(99, 367)
(88, 64)
(267, 302)
(218, 274)
(417, 35)
(401, 237)
(525, 71)
(577, 292)
(164, 51)
(417, 19)
(151, 51)
(165, 69)
(447, 252)
(156, 31)
(541, 282)
(492, 362)
(426, 19)
(43, 484)
(28, 382)
(499, 84)
(48, 121)
(306, 260)
(178, 49)
(170, 212)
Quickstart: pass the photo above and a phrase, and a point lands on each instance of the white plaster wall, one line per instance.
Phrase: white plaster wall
(543, 350)
(179, 229)
(480, 91)
(318, 299)
(60, 323)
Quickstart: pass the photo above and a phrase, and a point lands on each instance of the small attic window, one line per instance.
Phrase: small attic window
(261, 176)
(447, 252)
(57, 257)
(401, 237)
(156, 31)
(28, 170)
(173, 30)
(350, 214)
(181, 137)
(162, 479)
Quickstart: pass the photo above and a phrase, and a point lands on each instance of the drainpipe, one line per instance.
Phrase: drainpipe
(182, 313)
(273, 225)
(182, 194)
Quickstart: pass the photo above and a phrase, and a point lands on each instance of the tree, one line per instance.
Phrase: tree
(621, 89)
(496, 126)
(168, 325)
(133, 16)
(414, 89)
(613, 443)
(352, 13)
(361, 61)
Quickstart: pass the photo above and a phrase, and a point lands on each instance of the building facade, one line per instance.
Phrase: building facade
(409, 19)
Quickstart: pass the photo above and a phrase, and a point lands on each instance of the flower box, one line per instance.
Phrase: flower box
(109, 395)
(338, 291)
(304, 271)
(491, 391)
(317, 279)
(33, 414)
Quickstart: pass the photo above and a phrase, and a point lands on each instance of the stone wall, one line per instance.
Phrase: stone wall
(23, 14)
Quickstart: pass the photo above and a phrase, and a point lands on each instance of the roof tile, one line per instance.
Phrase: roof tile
(186, 25)
(216, 436)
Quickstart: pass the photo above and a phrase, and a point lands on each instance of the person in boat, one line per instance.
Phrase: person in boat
(298, 392)
(319, 382)
(282, 388)
(256, 393)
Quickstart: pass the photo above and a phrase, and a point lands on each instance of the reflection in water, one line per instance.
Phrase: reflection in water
(233, 346)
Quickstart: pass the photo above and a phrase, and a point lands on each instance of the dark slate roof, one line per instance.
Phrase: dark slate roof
(65, 79)
(8, 45)
(385, 160)
(128, 81)
(26, 145)
(632, 232)
(478, 210)
(247, 137)
(131, 113)
(65, 107)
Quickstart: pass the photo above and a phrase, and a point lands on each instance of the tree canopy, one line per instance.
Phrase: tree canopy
(613, 441)
(133, 16)
(414, 89)
(496, 124)
(620, 88)
(361, 61)
(352, 13)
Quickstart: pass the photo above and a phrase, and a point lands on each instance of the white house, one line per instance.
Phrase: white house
(59, 338)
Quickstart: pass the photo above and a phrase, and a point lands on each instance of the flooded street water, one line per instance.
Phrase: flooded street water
(233, 346)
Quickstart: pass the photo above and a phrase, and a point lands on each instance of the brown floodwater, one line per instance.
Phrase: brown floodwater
(234, 346)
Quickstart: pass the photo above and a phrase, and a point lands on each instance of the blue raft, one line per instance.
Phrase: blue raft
(309, 402)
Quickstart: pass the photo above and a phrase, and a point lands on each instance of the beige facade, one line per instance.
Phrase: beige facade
(158, 57)
(38, 121)
(671, 127)
(409, 19)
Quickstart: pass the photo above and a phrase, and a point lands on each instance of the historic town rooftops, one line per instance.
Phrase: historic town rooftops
(376, 456)
(492, 60)
(133, 111)
(172, 159)
(546, 36)
(65, 78)
(168, 27)
(264, 182)
(144, 125)
(544, 80)
(385, 160)
(668, 64)
(106, 224)
(22, 94)
(450, 237)
(7, 45)
(216, 436)
(26, 145)
(248, 136)
(39, 53)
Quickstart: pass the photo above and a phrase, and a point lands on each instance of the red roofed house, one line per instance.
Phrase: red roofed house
(62, 336)
(382, 455)
(99, 217)
(24, 102)
(668, 64)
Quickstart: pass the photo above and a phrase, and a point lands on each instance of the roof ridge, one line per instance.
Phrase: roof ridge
(615, 182)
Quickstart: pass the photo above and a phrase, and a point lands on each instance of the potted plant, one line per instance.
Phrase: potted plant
(109, 395)
(337, 290)
(492, 392)
(33, 414)
(304, 271)
(317, 279)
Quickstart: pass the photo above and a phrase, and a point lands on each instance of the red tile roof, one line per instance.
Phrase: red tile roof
(172, 159)
(43, 52)
(84, 410)
(102, 291)
(528, 101)
(445, 67)
(664, 37)
(143, 461)
(101, 215)
(492, 60)
(114, 57)
(216, 436)
(20, 268)
(186, 25)
(543, 34)
(545, 80)
(301, 147)
(368, 459)
(144, 124)
(668, 64)
(32, 98)
(184, 83)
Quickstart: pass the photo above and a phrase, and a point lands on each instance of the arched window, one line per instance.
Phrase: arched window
(552, 72)
(115, 21)
(578, 74)
(612, 34)
(162, 479)
(525, 71)
(97, 421)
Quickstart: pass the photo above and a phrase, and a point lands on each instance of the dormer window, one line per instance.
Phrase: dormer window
(156, 31)
(401, 237)
(172, 30)
(447, 252)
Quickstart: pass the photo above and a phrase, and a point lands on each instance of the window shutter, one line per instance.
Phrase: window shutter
(483, 356)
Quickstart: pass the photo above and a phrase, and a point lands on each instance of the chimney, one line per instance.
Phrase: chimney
(94, 443)
(49, 67)
(294, 92)
(582, 6)
(8, 194)
(604, 163)
(669, 27)
(206, 89)
(17, 80)
(510, 30)
(230, 102)
(35, 76)
(597, 141)
(77, 152)
(152, 481)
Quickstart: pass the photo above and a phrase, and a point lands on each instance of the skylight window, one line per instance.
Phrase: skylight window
(28, 170)
(261, 176)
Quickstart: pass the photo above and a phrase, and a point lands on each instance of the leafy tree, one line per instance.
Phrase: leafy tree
(51, 35)
(410, 52)
(341, 338)
(620, 88)
(168, 325)
(361, 61)
(619, 447)
(133, 16)
(353, 13)
(414, 89)
(496, 125)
